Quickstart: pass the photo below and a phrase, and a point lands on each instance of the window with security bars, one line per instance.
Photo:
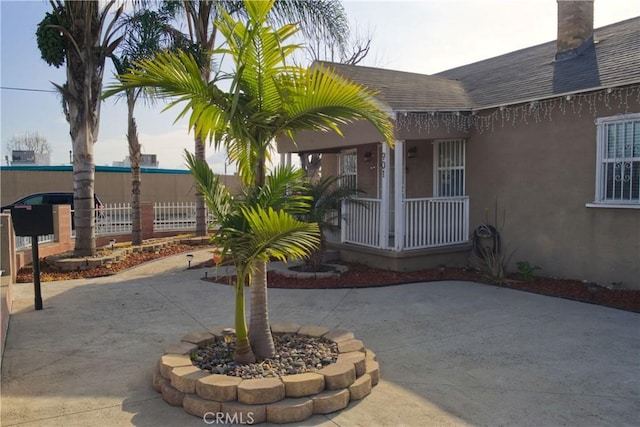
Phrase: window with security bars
(349, 169)
(448, 168)
(618, 173)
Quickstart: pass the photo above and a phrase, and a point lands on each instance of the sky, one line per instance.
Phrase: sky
(421, 36)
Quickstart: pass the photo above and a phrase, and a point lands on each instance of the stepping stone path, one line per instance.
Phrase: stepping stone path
(287, 399)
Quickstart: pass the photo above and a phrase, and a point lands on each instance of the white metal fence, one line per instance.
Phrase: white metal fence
(113, 218)
(431, 222)
(116, 218)
(24, 242)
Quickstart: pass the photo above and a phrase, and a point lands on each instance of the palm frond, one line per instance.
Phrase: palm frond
(278, 234)
(215, 193)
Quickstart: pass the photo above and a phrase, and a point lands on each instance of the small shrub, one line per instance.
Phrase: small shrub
(526, 270)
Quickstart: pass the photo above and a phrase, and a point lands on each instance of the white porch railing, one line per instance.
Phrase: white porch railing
(361, 222)
(428, 222)
(432, 222)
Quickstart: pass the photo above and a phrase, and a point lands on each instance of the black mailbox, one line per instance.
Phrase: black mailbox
(32, 220)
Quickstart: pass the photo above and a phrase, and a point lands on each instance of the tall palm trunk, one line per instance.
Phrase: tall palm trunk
(81, 96)
(259, 327)
(243, 353)
(201, 218)
(136, 177)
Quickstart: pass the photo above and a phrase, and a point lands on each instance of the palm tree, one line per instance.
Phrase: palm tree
(79, 34)
(254, 227)
(267, 98)
(326, 196)
(146, 33)
(318, 18)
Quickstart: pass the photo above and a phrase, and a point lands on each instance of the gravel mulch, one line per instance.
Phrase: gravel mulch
(295, 354)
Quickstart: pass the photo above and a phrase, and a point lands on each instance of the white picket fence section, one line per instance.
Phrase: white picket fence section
(432, 222)
(361, 222)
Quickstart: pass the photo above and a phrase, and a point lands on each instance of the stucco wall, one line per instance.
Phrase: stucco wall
(542, 175)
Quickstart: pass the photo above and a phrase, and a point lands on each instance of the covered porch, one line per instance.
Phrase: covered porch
(413, 195)
(412, 205)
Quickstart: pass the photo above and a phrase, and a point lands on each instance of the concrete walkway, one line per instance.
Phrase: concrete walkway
(451, 353)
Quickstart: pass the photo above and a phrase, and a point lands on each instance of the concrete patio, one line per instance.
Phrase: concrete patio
(451, 353)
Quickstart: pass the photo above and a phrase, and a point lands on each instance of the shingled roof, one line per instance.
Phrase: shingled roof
(527, 74)
(407, 91)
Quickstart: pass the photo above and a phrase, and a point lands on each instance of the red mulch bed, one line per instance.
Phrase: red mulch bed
(49, 273)
(360, 276)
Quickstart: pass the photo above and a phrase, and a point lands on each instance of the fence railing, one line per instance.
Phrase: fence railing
(116, 218)
(428, 222)
(24, 242)
(113, 218)
(432, 222)
(361, 222)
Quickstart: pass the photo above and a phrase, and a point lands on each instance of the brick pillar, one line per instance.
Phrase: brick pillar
(7, 247)
(146, 212)
(62, 223)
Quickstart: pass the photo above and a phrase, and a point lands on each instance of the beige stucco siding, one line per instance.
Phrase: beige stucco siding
(543, 175)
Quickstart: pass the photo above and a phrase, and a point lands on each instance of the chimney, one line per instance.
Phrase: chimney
(575, 27)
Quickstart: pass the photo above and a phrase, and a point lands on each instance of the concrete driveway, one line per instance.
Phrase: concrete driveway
(451, 353)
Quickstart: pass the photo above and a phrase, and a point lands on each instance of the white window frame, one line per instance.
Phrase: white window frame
(453, 151)
(602, 163)
(349, 176)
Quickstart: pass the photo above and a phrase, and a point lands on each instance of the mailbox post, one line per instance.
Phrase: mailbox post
(33, 221)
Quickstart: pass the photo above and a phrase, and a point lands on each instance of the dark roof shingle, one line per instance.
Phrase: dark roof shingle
(526, 74)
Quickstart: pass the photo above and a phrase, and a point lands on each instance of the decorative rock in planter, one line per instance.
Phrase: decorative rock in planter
(276, 399)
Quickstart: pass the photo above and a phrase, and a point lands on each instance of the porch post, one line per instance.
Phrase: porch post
(385, 199)
(398, 195)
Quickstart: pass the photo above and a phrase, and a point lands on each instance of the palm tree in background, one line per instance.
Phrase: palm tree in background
(325, 197)
(266, 98)
(147, 32)
(81, 35)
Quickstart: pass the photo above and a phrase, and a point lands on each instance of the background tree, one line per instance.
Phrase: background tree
(80, 35)
(266, 98)
(325, 200)
(29, 141)
(146, 33)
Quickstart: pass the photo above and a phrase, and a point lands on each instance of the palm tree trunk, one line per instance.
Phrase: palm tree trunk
(136, 176)
(201, 220)
(314, 262)
(83, 195)
(243, 354)
(259, 327)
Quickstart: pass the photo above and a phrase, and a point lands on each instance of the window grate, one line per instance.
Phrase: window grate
(618, 179)
(449, 165)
